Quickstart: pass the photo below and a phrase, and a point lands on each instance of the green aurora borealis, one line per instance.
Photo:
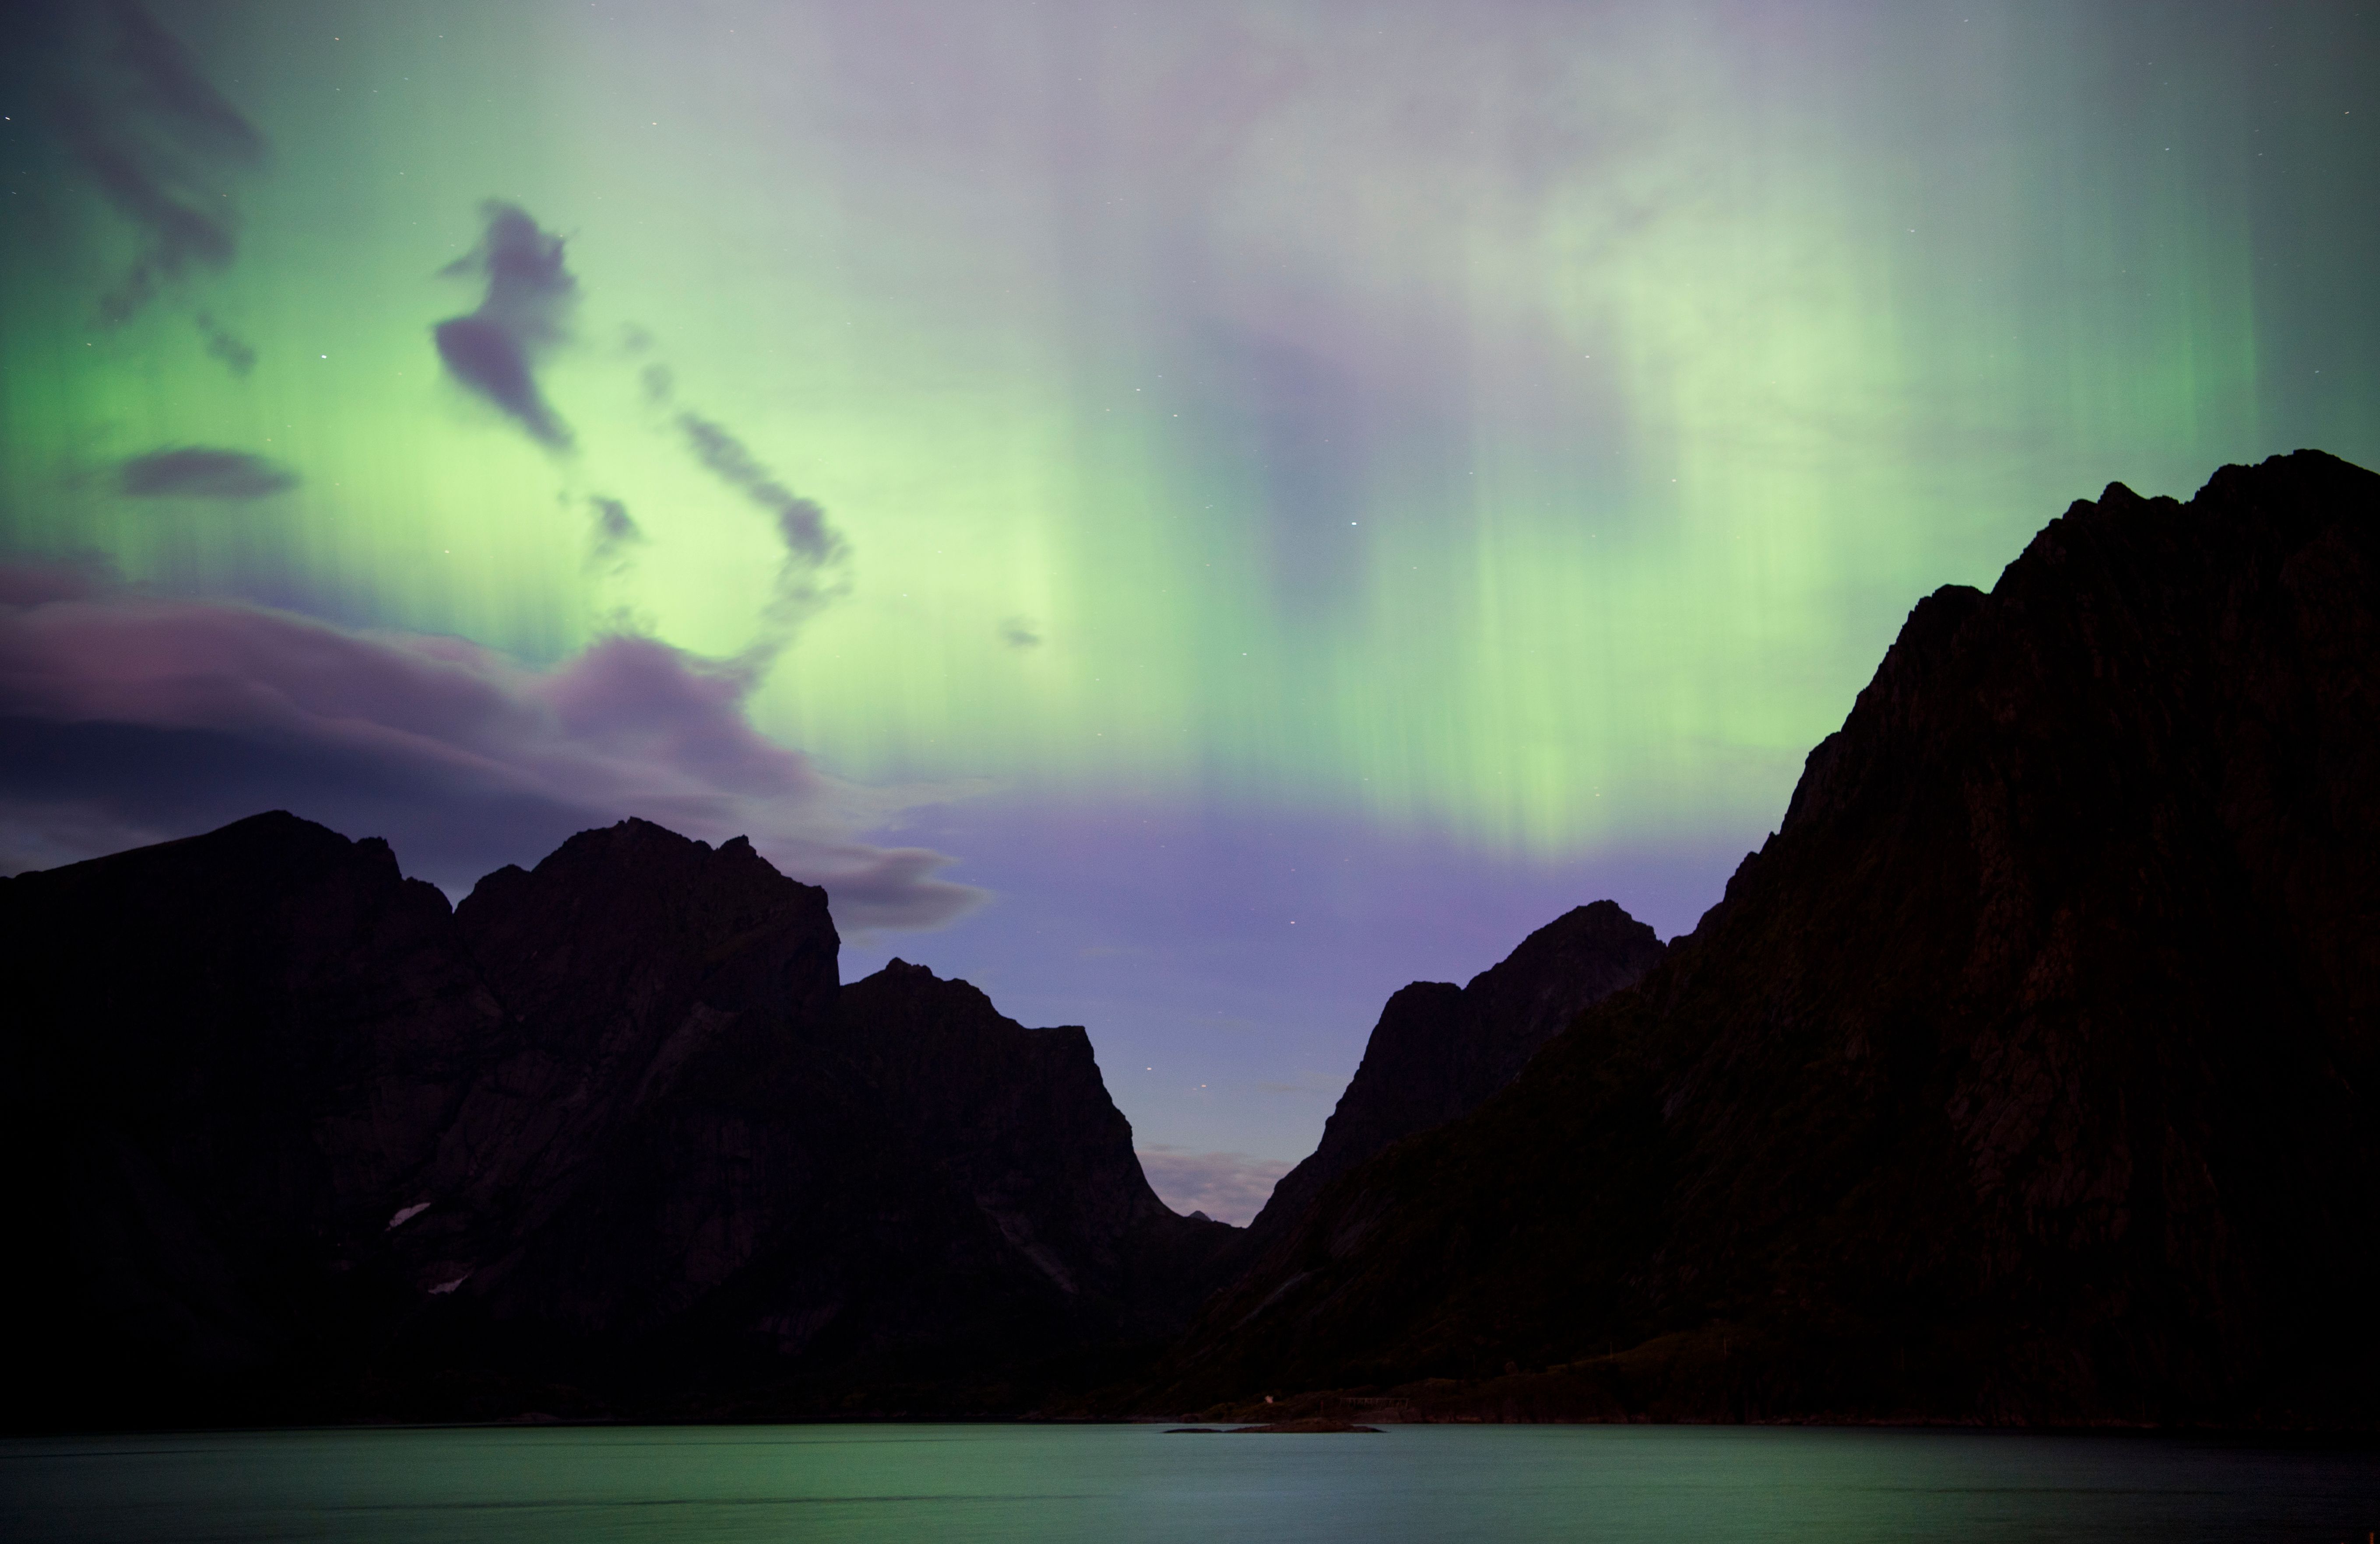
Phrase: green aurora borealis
(1513, 429)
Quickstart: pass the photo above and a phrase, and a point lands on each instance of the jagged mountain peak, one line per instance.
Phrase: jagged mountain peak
(609, 1124)
(2026, 1073)
(1440, 1050)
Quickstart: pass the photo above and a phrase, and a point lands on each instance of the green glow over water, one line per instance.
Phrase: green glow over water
(1617, 1485)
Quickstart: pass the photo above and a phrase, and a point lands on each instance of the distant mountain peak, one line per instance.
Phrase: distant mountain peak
(1439, 1051)
(610, 1130)
(2029, 1073)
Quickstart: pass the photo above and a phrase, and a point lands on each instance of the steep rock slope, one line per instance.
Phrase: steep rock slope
(1020, 1122)
(1440, 1050)
(2027, 1072)
(220, 1055)
(302, 1143)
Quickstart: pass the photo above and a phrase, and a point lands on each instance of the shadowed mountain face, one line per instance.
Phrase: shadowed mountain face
(1440, 1050)
(298, 1142)
(2027, 1072)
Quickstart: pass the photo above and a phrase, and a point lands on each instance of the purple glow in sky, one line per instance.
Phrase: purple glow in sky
(1188, 517)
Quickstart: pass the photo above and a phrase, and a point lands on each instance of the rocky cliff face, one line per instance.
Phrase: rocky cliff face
(1020, 1122)
(2027, 1072)
(221, 1054)
(302, 1143)
(1439, 1051)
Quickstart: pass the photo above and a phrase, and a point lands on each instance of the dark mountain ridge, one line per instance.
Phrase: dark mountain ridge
(2025, 1073)
(1440, 1050)
(609, 1135)
(301, 1143)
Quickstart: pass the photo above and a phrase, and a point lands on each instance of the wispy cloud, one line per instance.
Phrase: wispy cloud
(615, 531)
(202, 471)
(153, 136)
(525, 312)
(124, 717)
(807, 575)
(1228, 1187)
(224, 344)
(800, 523)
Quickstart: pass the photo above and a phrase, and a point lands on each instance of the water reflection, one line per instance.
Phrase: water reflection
(1609, 1484)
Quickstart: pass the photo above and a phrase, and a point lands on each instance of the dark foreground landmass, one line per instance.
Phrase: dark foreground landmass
(301, 1143)
(1440, 1050)
(2025, 1075)
(295, 1143)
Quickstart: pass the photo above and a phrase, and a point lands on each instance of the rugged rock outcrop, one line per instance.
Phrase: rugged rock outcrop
(297, 1141)
(1440, 1050)
(1021, 1122)
(2026, 1073)
(220, 1055)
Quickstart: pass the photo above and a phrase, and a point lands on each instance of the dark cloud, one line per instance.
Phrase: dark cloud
(812, 545)
(223, 344)
(202, 471)
(615, 531)
(1228, 1187)
(813, 548)
(525, 312)
(489, 358)
(801, 523)
(179, 92)
(151, 133)
(126, 719)
(1018, 633)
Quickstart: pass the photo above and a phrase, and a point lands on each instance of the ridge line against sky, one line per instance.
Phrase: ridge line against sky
(1221, 510)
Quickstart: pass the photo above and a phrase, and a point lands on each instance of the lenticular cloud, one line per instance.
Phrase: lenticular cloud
(127, 718)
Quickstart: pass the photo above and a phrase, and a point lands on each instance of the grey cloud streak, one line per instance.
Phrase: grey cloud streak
(236, 357)
(202, 471)
(127, 718)
(800, 523)
(615, 532)
(1228, 1187)
(813, 548)
(525, 312)
(148, 131)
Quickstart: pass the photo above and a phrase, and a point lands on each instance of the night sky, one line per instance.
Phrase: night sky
(1186, 515)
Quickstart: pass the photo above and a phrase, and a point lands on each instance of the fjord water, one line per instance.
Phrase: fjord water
(866, 1483)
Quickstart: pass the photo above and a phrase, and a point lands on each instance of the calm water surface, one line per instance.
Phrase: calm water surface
(1135, 1482)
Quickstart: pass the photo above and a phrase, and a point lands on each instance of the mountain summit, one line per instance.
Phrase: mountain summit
(2027, 1073)
(1440, 1050)
(296, 1143)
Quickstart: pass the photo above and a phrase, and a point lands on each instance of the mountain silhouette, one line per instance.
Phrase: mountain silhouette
(2026, 1073)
